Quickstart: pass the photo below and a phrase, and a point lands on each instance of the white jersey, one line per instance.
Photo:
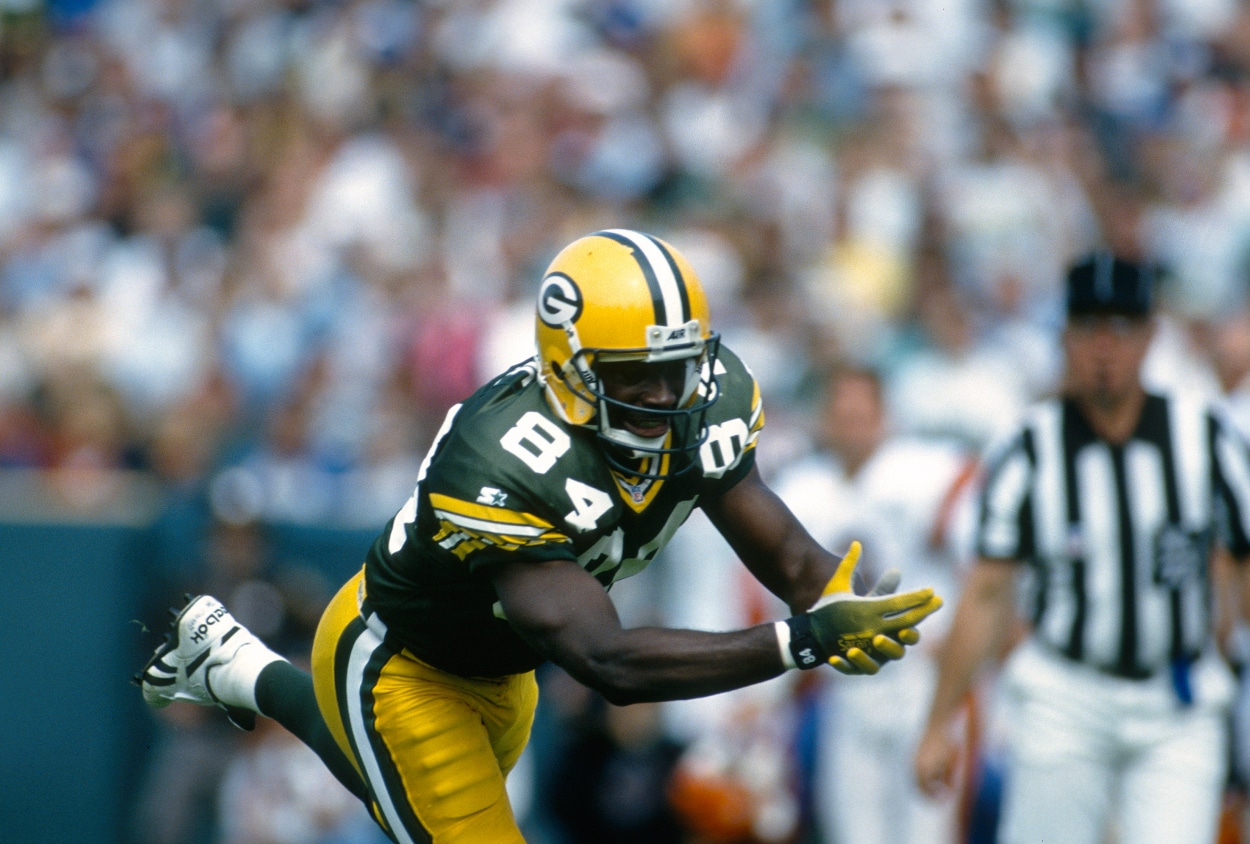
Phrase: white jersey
(908, 506)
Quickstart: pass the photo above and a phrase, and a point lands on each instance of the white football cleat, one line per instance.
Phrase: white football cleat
(205, 638)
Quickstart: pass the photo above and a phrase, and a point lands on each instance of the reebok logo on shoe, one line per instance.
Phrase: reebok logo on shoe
(200, 632)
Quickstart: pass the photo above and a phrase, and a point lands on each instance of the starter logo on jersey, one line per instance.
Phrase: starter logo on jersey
(491, 496)
(559, 300)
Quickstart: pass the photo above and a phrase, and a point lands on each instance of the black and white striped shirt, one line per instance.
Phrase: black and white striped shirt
(1120, 536)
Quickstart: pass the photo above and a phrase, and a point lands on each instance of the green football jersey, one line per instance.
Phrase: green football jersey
(507, 479)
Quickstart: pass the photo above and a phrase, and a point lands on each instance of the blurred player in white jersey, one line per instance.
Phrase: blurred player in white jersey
(904, 498)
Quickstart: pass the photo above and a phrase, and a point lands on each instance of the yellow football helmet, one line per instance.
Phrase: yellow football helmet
(621, 295)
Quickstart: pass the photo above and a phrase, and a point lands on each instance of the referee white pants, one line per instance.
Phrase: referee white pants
(1090, 752)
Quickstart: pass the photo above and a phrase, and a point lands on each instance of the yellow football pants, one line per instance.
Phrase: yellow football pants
(432, 747)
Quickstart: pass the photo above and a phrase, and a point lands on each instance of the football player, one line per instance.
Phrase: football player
(558, 478)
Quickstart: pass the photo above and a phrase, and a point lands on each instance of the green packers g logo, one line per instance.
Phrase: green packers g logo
(559, 301)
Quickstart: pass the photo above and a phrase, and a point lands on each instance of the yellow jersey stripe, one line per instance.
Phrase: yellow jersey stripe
(510, 529)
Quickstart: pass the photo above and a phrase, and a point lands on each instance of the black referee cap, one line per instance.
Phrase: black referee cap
(1102, 283)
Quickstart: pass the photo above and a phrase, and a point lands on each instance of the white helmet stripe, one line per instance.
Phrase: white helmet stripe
(668, 288)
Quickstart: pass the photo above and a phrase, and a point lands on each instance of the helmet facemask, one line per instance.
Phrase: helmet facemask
(673, 452)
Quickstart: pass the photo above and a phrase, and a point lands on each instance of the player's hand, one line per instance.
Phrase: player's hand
(936, 757)
(857, 634)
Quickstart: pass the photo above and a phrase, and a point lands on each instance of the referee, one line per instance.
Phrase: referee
(1115, 498)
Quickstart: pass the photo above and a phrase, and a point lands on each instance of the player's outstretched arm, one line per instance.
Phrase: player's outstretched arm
(771, 542)
(565, 614)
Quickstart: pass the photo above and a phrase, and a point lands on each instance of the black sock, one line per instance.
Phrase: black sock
(285, 694)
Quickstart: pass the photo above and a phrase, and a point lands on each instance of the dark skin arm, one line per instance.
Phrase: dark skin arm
(771, 542)
(565, 614)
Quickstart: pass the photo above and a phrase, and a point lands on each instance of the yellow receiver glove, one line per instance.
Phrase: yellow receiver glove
(856, 634)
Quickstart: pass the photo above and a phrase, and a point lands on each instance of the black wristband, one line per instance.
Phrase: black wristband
(804, 648)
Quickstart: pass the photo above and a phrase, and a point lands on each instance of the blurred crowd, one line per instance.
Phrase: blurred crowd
(256, 248)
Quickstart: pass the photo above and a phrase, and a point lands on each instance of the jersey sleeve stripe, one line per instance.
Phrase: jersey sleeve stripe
(1005, 492)
(487, 520)
(1234, 469)
(504, 529)
(454, 533)
(486, 513)
(757, 411)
